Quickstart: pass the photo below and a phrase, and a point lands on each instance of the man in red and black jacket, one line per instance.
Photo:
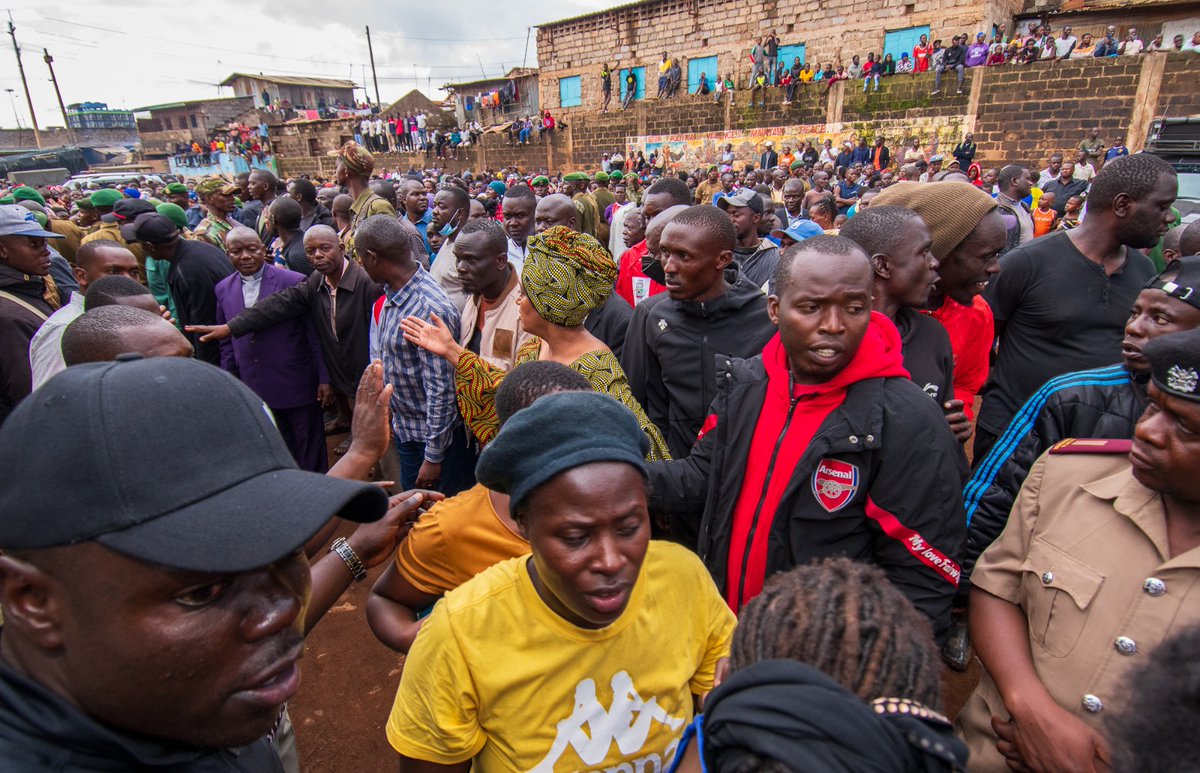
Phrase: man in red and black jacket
(823, 446)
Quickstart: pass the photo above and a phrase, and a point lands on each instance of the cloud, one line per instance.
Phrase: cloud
(134, 55)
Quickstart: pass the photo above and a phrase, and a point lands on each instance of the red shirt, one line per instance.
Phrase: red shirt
(629, 269)
(971, 330)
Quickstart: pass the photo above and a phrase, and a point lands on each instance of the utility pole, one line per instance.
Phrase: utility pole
(371, 53)
(66, 123)
(12, 31)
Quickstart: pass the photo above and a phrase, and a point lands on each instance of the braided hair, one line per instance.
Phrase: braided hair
(847, 620)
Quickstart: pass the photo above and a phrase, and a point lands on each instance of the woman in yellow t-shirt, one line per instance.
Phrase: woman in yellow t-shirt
(591, 652)
(459, 537)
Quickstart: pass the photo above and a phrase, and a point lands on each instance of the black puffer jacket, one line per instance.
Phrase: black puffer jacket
(672, 349)
(1098, 403)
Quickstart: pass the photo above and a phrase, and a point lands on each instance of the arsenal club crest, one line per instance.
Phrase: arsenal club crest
(834, 484)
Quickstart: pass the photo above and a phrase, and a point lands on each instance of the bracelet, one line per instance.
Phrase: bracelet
(347, 554)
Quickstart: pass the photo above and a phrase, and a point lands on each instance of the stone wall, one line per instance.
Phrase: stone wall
(1018, 114)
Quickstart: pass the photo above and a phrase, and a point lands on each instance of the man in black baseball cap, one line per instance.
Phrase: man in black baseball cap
(756, 257)
(193, 268)
(154, 625)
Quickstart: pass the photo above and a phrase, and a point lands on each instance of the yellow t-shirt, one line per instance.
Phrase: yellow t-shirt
(455, 540)
(495, 675)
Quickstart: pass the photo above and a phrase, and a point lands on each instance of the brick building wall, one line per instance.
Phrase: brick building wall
(832, 31)
(55, 136)
(1018, 114)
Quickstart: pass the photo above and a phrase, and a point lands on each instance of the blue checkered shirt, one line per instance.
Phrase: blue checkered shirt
(424, 408)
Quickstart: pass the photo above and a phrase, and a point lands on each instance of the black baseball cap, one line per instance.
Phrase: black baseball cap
(150, 227)
(125, 210)
(1185, 282)
(167, 460)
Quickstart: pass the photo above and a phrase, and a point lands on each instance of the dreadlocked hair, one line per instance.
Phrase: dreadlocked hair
(847, 620)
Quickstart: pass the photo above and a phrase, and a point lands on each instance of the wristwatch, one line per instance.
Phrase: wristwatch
(353, 562)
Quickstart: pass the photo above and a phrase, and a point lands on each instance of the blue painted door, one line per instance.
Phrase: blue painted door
(899, 41)
(640, 74)
(706, 65)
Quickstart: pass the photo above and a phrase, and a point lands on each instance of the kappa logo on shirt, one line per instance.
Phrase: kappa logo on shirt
(627, 722)
(834, 484)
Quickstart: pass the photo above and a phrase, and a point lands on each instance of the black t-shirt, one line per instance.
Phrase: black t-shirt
(1060, 313)
(928, 357)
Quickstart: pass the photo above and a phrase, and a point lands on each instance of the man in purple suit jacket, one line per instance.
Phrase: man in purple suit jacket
(283, 363)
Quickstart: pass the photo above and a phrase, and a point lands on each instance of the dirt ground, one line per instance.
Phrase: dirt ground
(349, 679)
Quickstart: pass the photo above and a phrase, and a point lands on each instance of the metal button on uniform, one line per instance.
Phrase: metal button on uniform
(1125, 645)
(1092, 704)
(1154, 586)
(853, 440)
(870, 438)
(1047, 578)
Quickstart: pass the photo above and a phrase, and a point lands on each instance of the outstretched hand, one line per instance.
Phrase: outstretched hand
(432, 336)
(210, 332)
(370, 423)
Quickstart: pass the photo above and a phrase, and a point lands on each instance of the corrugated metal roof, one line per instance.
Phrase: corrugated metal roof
(185, 103)
(590, 14)
(287, 80)
(516, 72)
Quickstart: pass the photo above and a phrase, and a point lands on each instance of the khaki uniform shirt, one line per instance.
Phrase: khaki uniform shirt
(112, 232)
(1085, 557)
(72, 235)
(366, 205)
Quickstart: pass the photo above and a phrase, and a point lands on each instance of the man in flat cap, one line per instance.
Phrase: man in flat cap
(354, 167)
(1097, 567)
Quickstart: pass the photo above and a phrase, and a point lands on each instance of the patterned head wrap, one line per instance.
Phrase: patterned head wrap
(356, 158)
(213, 185)
(566, 275)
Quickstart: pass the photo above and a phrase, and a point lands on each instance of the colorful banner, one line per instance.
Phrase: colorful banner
(703, 149)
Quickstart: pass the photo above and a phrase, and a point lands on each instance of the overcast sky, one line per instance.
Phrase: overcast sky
(133, 53)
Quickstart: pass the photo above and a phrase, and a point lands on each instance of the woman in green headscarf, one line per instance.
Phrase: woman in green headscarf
(566, 275)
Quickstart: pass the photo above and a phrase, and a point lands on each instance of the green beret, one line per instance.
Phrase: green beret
(616, 175)
(7, 200)
(174, 213)
(577, 177)
(106, 197)
(541, 179)
(601, 177)
(796, 165)
(25, 193)
(85, 204)
(175, 188)
(41, 218)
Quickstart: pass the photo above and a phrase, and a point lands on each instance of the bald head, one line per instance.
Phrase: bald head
(555, 210)
(341, 205)
(657, 223)
(103, 333)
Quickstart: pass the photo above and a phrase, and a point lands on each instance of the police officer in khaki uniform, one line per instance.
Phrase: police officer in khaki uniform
(353, 172)
(1099, 563)
(103, 201)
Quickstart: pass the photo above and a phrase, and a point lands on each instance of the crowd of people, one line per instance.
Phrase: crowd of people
(1038, 43)
(690, 470)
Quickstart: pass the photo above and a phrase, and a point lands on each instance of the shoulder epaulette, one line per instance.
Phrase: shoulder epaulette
(1091, 446)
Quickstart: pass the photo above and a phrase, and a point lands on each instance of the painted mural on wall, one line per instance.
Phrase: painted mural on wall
(704, 149)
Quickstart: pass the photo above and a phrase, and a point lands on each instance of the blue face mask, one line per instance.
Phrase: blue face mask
(448, 228)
